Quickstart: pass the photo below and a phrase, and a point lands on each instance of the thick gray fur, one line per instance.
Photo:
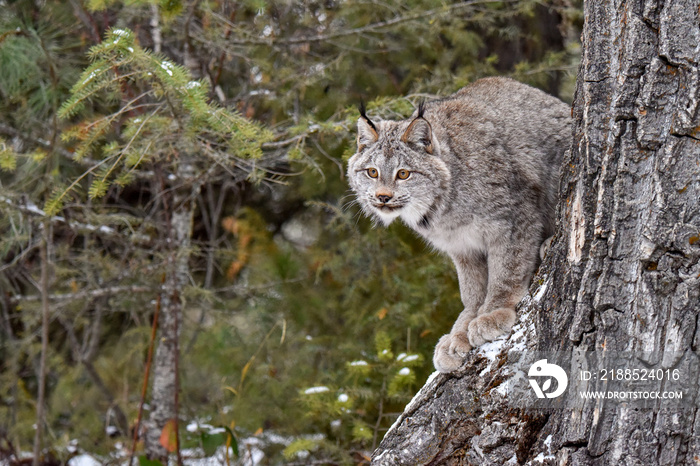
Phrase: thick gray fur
(484, 169)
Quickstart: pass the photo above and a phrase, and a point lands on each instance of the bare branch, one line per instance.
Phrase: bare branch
(122, 422)
(103, 230)
(284, 143)
(86, 20)
(87, 294)
(8, 130)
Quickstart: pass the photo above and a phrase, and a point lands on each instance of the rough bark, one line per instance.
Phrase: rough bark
(623, 272)
(164, 392)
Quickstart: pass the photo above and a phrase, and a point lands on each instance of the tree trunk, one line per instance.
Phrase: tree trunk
(623, 273)
(164, 393)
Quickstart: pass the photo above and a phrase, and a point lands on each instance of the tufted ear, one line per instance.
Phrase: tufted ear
(419, 133)
(366, 133)
(366, 130)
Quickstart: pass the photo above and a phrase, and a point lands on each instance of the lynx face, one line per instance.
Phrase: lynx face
(396, 172)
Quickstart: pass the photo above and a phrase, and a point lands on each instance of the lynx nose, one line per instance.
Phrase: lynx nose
(384, 198)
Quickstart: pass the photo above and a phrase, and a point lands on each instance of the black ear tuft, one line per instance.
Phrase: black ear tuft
(363, 109)
(363, 114)
(421, 108)
(367, 132)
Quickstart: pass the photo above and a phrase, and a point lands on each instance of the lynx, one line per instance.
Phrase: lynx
(476, 174)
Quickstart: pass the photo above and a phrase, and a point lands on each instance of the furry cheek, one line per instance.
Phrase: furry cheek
(412, 215)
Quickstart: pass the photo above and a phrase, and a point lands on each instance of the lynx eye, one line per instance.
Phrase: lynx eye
(403, 174)
(372, 172)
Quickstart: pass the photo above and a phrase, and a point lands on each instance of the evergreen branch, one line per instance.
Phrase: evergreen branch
(106, 120)
(8, 130)
(55, 202)
(72, 105)
(129, 106)
(363, 29)
(132, 171)
(122, 152)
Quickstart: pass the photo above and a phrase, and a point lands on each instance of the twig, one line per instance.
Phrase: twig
(227, 34)
(332, 159)
(380, 415)
(95, 376)
(40, 412)
(16, 32)
(146, 376)
(177, 388)
(211, 223)
(86, 19)
(11, 365)
(284, 143)
(8, 130)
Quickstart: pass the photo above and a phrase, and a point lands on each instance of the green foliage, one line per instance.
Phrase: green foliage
(8, 159)
(144, 461)
(298, 446)
(174, 114)
(361, 432)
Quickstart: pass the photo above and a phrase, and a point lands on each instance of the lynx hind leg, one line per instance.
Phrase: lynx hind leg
(488, 327)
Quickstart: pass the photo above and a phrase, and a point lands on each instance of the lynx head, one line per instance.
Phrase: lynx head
(397, 170)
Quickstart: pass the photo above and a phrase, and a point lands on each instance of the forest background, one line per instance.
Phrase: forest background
(186, 159)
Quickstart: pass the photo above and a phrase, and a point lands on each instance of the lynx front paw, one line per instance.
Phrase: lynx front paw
(451, 351)
(487, 327)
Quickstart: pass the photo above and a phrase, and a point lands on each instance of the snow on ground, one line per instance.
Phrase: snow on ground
(83, 460)
(407, 357)
(313, 390)
(491, 349)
